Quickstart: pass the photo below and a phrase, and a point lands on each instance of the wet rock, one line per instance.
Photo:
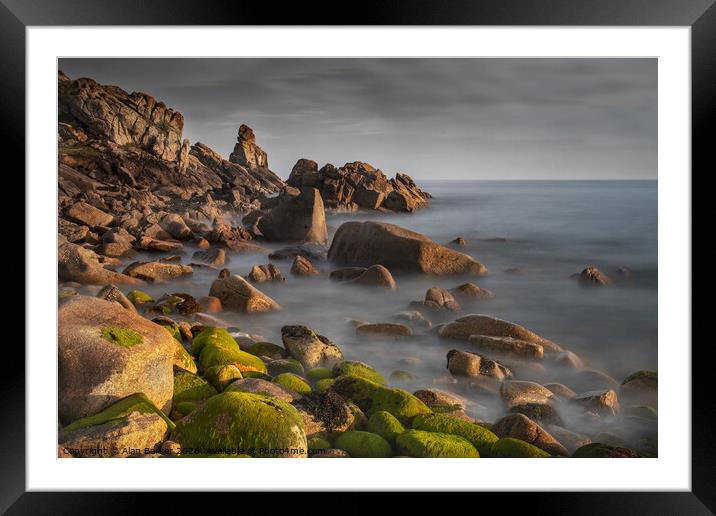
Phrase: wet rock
(570, 440)
(312, 251)
(438, 299)
(87, 215)
(389, 329)
(82, 265)
(441, 401)
(603, 403)
(477, 324)
(568, 360)
(508, 346)
(561, 390)
(516, 392)
(112, 293)
(521, 427)
(156, 272)
(364, 244)
(214, 257)
(300, 218)
(303, 267)
(153, 244)
(544, 413)
(462, 363)
(310, 349)
(591, 276)
(237, 294)
(210, 304)
(106, 352)
(176, 227)
(263, 273)
(471, 291)
(376, 275)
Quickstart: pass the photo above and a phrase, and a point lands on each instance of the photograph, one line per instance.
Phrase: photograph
(357, 257)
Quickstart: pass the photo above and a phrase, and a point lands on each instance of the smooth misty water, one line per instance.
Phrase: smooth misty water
(552, 230)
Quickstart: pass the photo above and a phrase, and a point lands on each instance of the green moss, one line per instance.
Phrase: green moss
(647, 375)
(162, 308)
(184, 408)
(216, 347)
(364, 444)
(253, 424)
(266, 349)
(125, 337)
(385, 425)
(222, 375)
(138, 297)
(357, 389)
(479, 436)
(319, 373)
(508, 447)
(285, 365)
(418, 443)
(293, 383)
(323, 385)
(403, 405)
(171, 327)
(359, 369)
(257, 374)
(182, 359)
(204, 336)
(317, 443)
(189, 387)
(119, 411)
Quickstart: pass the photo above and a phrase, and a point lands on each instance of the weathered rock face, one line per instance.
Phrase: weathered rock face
(246, 152)
(296, 218)
(106, 352)
(358, 185)
(364, 244)
(239, 295)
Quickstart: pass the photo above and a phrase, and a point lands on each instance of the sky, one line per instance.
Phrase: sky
(495, 119)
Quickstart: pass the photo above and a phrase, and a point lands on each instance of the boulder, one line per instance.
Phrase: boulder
(515, 393)
(591, 276)
(477, 324)
(82, 265)
(260, 386)
(479, 436)
(87, 215)
(112, 293)
(364, 244)
(471, 291)
(214, 256)
(303, 267)
(508, 346)
(157, 272)
(237, 294)
(418, 443)
(300, 218)
(461, 363)
(106, 352)
(176, 227)
(376, 275)
(603, 403)
(310, 349)
(262, 273)
(438, 299)
(521, 427)
(389, 329)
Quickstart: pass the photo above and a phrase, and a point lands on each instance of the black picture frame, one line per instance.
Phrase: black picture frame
(700, 15)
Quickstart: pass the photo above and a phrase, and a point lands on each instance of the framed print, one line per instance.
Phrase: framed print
(456, 236)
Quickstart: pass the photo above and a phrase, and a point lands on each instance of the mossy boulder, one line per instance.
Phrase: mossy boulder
(179, 410)
(292, 382)
(364, 444)
(260, 386)
(508, 447)
(203, 335)
(218, 347)
(189, 387)
(357, 389)
(268, 349)
(317, 444)
(257, 374)
(358, 369)
(385, 425)
(418, 443)
(479, 436)
(285, 365)
(138, 297)
(401, 404)
(222, 375)
(246, 423)
(183, 361)
(105, 353)
(171, 326)
(323, 385)
(319, 373)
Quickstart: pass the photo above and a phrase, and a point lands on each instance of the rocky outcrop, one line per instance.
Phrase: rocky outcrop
(299, 218)
(358, 185)
(364, 244)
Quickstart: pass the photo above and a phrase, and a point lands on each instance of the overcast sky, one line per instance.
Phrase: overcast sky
(430, 118)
